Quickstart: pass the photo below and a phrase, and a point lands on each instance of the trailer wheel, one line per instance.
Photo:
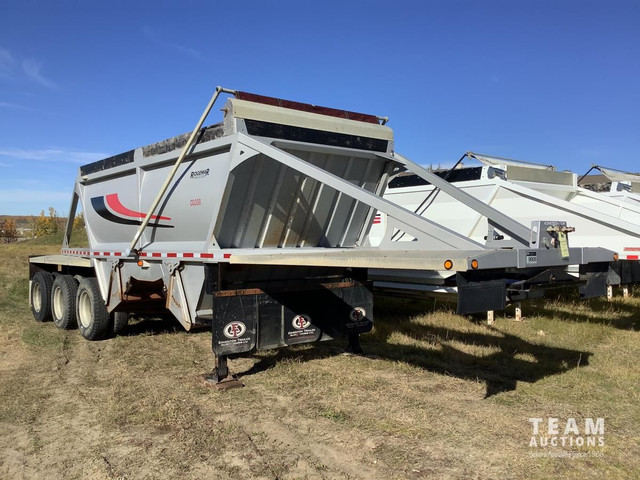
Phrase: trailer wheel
(41, 285)
(120, 321)
(63, 301)
(92, 315)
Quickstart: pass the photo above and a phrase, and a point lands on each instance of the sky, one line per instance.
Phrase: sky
(555, 82)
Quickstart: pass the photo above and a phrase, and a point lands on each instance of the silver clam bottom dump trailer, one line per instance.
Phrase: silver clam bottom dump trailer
(257, 226)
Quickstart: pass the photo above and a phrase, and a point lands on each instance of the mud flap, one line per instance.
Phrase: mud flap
(480, 293)
(234, 324)
(597, 276)
(266, 320)
(624, 271)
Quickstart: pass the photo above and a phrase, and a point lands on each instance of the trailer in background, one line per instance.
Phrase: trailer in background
(524, 192)
(618, 184)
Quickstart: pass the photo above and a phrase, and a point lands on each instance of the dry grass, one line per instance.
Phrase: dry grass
(438, 396)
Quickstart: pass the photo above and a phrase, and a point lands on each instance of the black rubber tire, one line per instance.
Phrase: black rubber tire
(120, 321)
(63, 301)
(92, 315)
(40, 296)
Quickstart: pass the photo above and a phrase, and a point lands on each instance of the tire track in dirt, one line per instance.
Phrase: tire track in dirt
(309, 447)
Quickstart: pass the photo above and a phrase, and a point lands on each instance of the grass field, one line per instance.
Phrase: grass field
(437, 396)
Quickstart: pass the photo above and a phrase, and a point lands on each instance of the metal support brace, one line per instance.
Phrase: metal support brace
(516, 230)
(413, 224)
(172, 173)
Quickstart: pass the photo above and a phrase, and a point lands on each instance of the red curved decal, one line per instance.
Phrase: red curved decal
(114, 203)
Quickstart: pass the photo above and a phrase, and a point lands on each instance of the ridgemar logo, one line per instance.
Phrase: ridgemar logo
(552, 432)
(110, 208)
(199, 174)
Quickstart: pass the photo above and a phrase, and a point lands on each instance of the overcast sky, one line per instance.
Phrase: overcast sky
(545, 81)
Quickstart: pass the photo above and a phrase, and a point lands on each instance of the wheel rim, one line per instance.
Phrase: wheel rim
(36, 297)
(58, 309)
(84, 309)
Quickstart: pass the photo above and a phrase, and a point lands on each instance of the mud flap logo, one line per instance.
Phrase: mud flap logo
(300, 322)
(302, 330)
(357, 314)
(234, 329)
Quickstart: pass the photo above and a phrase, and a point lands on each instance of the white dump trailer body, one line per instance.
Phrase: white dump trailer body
(613, 183)
(525, 193)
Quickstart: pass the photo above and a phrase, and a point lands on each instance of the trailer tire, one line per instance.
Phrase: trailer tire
(63, 301)
(120, 321)
(40, 297)
(92, 315)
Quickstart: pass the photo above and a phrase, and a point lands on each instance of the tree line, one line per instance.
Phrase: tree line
(40, 226)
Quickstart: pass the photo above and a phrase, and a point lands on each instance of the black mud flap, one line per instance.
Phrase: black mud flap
(268, 320)
(626, 271)
(597, 277)
(478, 292)
(234, 324)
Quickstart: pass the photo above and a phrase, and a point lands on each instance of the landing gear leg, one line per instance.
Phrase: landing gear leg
(220, 377)
(354, 344)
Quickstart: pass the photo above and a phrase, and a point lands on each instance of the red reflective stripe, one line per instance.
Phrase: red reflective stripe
(156, 254)
(227, 255)
(143, 254)
(187, 255)
(632, 257)
(106, 254)
(172, 255)
(206, 255)
(118, 254)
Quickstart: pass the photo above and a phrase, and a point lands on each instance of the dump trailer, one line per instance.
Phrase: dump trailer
(614, 183)
(525, 192)
(619, 208)
(258, 227)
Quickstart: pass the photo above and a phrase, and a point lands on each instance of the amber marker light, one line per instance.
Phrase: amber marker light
(140, 263)
(448, 264)
(474, 264)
